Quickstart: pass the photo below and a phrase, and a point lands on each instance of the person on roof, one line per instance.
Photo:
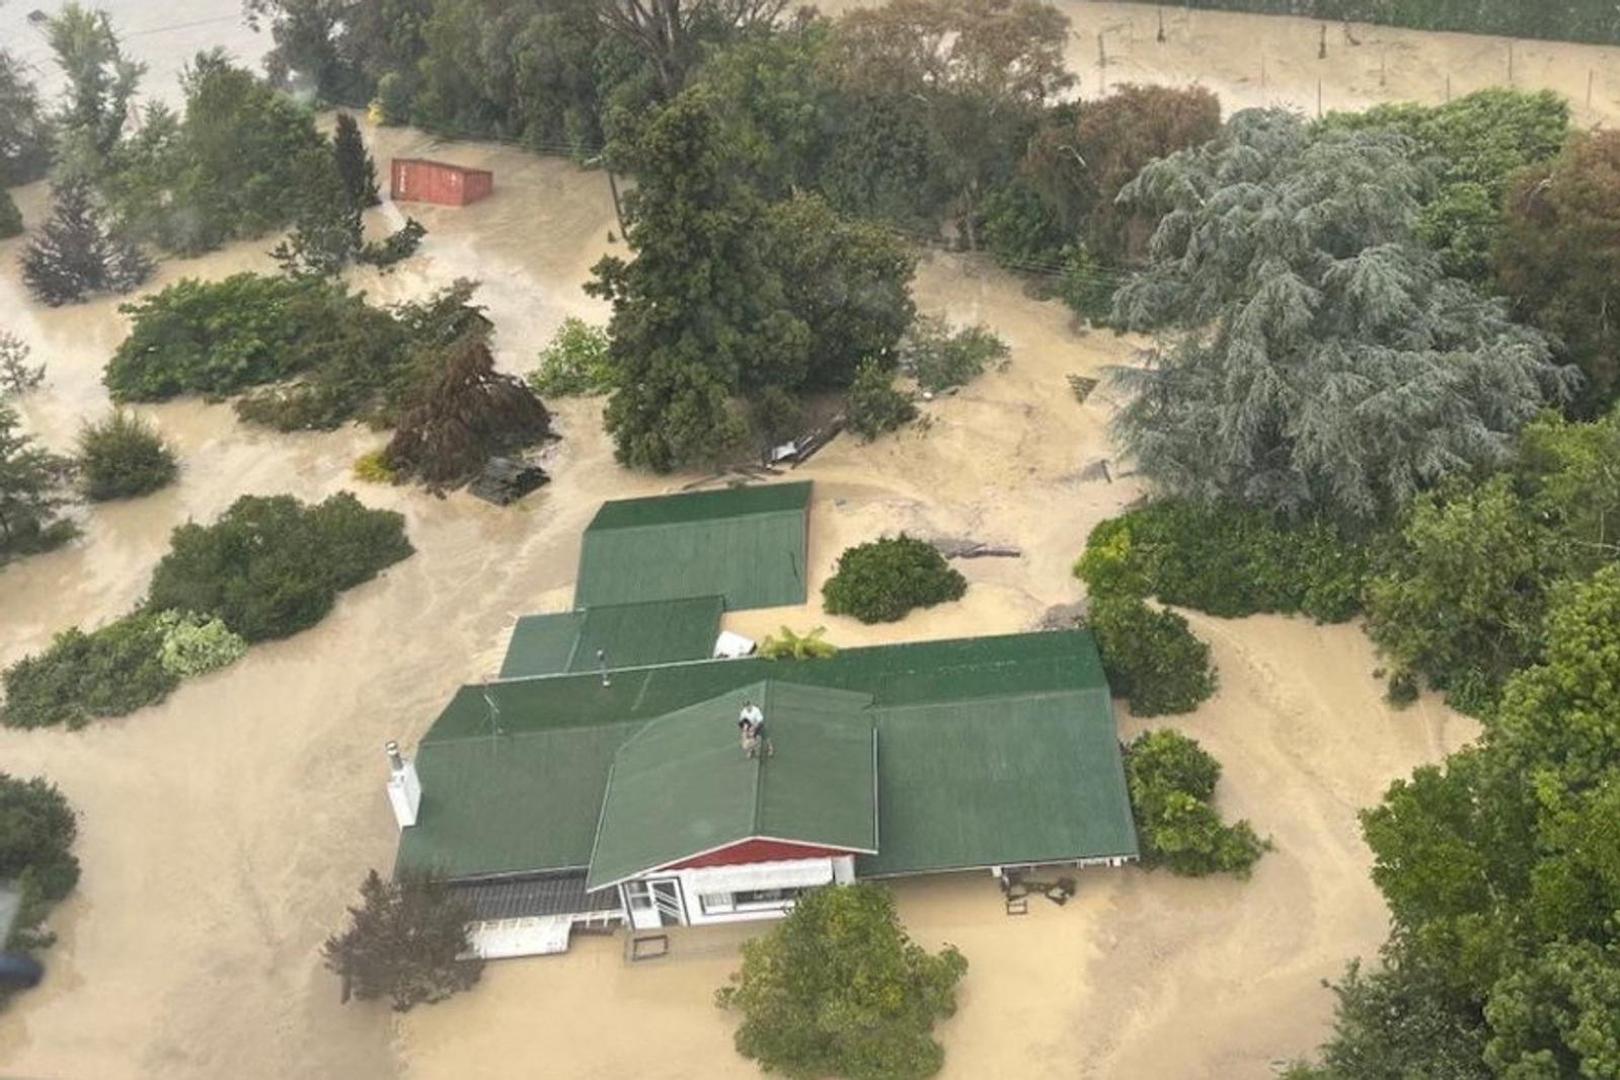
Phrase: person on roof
(745, 726)
(751, 723)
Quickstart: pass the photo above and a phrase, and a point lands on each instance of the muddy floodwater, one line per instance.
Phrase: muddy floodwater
(223, 831)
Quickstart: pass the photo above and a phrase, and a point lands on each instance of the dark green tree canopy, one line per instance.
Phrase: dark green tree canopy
(404, 942)
(25, 132)
(1317, 358)
(33, 485)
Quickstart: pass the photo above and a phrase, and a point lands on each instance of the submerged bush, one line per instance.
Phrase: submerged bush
(270, 567)
(405, 942)
(123, 456)
(574, 362)
(1172, 782)
(875, 406)
(941, 359)
(839, 989)
(108, 672)
(883, 580)
(1225, 560)
(1150, 656)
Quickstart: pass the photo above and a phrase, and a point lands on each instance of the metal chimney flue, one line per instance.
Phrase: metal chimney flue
(404, 787)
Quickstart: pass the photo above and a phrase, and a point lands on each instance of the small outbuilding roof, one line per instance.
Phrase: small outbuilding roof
(747, 545)
(533, 895)
(682, 786)
(629, 635)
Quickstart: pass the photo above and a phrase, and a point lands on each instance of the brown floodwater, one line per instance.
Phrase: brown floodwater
(223, 831)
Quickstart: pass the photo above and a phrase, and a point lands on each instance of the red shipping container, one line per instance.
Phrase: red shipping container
(419, 180)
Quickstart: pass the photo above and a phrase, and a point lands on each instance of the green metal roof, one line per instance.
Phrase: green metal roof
(908, 674)
(500, 803)
(701, 506)
(996, 750)
(630, 635)
(747, 545)
(1032, 779)
(682, 785)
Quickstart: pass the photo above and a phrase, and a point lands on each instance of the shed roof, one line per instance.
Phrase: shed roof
(533, 894)
(629, 635)
(747, 545)
(682, 786)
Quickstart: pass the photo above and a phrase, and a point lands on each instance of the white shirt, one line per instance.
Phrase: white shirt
(753, 715)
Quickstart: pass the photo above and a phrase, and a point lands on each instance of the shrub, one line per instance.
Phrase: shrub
(37, 830)
(11, 222)
(331, 356)
(196, 644)
(1018, 228)
(17, 376)
(792, 646)
(574, 362)
(404, 942)
(392, 105)
(396, 247)
(1172, 780)
(1150, 656)
(1226, 560)
(1086, 287)
(108, 672)
(875, 406)
(123, 456)
(882, 580)
(373, 468)
(941, 359)
(839, 989)
(270, 567)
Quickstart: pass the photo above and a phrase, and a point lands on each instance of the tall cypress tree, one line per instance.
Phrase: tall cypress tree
(74, 255)
(359, 172)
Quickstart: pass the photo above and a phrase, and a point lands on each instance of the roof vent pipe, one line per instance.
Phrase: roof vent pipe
(404, 787)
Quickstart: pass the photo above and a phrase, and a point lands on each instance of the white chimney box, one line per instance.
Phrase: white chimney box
(404, 787)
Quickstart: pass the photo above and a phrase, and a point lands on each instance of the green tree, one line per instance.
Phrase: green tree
(1078, 165)
(1398, 1023)
(123, 456)
(404, 942)
(17, 375)
(1502, 871)
(32, 490)
(1474, 146)
(76, 255)
(1172, 782)
(699, 305)
(1150, 656)
(1560, 253)
(981, 70)
(37, 830)
(245, 160)
(1319, 360)
(11, 222)
(838, 988)
(101, 82)
(847, 281)
(882, 580)
(532, 71)
(875, 406)
(25, 132)
(669, 34)
(941, 358)
(354, 164)
(462, 415)
(1462, 598)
